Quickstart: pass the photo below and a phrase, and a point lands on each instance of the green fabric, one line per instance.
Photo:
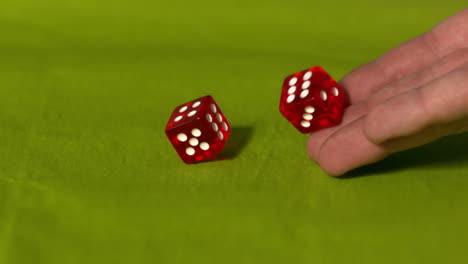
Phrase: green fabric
(88, 176)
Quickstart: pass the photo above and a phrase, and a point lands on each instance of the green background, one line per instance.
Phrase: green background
(88, 176)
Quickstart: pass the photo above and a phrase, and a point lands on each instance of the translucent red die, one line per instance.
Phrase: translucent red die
(198, 129)
(311, 100)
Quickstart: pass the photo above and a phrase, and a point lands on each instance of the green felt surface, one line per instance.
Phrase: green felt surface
(88, 176)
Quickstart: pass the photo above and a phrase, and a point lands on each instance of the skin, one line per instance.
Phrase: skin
(410, 96)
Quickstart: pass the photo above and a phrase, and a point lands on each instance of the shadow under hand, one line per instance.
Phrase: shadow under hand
(446, 152)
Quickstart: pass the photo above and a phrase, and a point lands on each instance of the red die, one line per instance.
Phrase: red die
(311, 100)
(198, 129)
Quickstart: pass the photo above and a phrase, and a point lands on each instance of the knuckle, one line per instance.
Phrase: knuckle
(423, 102)
(453, 32)
(461, 80)
(456, 58)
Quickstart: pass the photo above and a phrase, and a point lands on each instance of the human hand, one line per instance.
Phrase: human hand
(408, 97)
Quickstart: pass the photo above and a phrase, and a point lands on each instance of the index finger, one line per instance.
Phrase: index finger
(451, 34)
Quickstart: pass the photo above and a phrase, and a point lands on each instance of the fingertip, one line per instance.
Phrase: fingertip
(348, 149)
(383, 122)
(311, 148)
(314, 148)
(372, 126)
(315, 142)
(333, 172)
